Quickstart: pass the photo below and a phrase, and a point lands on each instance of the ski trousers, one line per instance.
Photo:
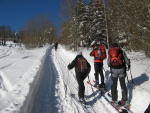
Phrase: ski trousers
(99, 70)
(114, 91)
(80, 79)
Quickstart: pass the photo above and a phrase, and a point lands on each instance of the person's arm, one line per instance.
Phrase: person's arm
(92, 53)
(72, 64)
(89, 65)
(126, 59)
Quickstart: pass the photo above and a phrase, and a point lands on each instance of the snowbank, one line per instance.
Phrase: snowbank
(19, 77)
(28, 103)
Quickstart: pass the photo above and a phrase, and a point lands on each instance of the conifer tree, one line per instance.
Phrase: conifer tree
(98, 21)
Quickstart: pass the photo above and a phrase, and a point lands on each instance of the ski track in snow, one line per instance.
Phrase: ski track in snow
(5, 52)
(45, 100)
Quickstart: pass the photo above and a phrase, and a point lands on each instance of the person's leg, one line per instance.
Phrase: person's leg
(81, 91)
(96, 67)
(114, 91)
(101, 73)
(123, 88)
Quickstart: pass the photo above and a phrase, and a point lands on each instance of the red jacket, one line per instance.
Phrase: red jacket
(103, 53)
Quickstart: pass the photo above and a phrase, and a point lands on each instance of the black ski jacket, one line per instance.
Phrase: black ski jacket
(74, 63)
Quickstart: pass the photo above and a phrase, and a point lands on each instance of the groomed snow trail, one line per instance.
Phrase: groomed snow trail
(45, 100)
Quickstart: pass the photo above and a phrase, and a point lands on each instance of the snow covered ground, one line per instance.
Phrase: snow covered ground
(21, 79)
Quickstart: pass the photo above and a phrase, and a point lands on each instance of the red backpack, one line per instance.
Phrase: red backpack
(116, 57)
(83, 66)
(101, 53)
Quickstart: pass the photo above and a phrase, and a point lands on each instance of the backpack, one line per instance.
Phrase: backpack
(116, 57)
(100, 53)
(83, 66)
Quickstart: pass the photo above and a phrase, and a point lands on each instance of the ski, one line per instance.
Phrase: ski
(103, 93)
(87, 108)
(100, 89)
(127, 106)
(124, 108)
(107, 96)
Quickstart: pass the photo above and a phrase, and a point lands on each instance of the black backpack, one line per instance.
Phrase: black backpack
(83, 66)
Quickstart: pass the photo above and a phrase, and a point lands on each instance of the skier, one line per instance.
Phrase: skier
(56, 45)
(82, 69)
(117, 61)
(99, 54)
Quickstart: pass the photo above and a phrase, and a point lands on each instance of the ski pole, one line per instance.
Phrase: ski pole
(131, 75)
(132, 78)
(127, 79)
(106, 74)
(67, 77)
(91, 86)
(65, 84)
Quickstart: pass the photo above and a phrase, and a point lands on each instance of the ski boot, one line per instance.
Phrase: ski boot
(96, 84)
(126, 104)
(82, 100)
(115, 104)
(102, 86)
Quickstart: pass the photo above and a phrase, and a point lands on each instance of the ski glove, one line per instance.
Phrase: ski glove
(129, 67)
(69, 67)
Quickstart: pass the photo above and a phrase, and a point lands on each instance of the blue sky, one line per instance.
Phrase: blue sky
(16, 13)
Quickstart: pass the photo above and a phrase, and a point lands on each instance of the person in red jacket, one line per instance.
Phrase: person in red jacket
(99, 54)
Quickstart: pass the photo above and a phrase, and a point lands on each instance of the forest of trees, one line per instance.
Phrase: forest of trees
(37, 32)
(6, 33)
(126, 22)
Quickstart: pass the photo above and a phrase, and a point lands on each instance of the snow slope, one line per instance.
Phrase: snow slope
(140, 71)
(20, 77)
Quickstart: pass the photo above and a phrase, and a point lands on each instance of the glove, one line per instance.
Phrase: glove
(129, 67)
(68, 66)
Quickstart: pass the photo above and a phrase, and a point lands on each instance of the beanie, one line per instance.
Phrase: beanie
(79, 52)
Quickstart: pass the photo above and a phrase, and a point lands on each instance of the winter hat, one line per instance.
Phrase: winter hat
(99, 43)
(79, 52)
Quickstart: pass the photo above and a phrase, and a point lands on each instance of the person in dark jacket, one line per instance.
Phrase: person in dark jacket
(56, 46)
(80, 76)
(98, 64)
(118, 72)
